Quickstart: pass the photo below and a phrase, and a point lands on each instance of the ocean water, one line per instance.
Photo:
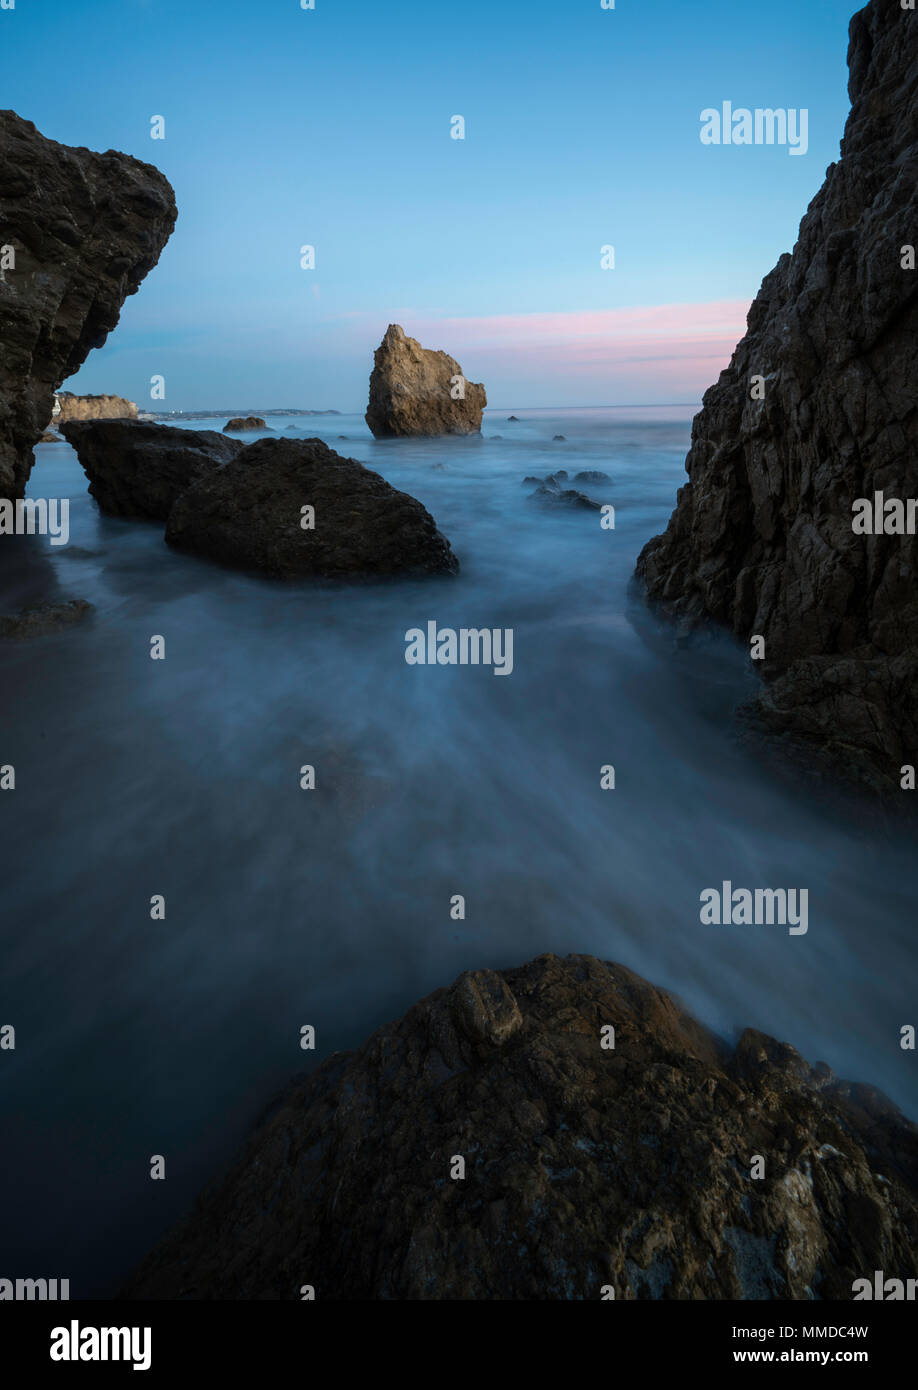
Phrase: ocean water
(331, 907)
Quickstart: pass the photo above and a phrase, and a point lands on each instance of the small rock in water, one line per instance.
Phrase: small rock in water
(497, 436)
(49, 437)
(44, 618)
(568, 498)
(240, 424)
(591, 475)
(559, 436)
(512, 417)
(558, 477)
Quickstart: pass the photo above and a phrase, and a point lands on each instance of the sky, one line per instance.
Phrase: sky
(331, 127)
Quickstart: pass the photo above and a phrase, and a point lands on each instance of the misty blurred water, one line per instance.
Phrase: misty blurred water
(181, 777)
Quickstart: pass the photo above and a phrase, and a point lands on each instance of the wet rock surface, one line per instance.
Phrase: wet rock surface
(816, 410)
(585, 1165)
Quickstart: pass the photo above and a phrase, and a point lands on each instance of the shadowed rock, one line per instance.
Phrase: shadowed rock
(585, 1165)
(412, 391)
(43, 618)
(85, 229)
(138, 469)
(249, 513)
(817, 409)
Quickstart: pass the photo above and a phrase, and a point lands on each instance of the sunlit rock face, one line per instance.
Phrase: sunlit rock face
(415, 390)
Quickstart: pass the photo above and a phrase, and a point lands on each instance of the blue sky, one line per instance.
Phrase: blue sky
(332, 127)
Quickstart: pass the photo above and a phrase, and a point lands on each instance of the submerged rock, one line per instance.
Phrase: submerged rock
(85, 229)
(411, 391)
(242, 423)
(49, 437)
(817, 409)
(591, 475)
(138, 469)
(43, 618)
(551, 494)
(249, 512)
(590, 1159)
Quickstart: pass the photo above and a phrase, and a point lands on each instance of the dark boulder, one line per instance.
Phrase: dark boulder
(249, 513)
(586, 1165)
(138, 469)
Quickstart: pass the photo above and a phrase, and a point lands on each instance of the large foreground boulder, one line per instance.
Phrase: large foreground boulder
(415, 390)
(138, 469)
(254, 513)
(501, 1142)
(818, 409)
(84, 230)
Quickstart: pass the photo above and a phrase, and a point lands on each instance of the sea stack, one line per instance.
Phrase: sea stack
(79, 231)
(420, 391)
(817, 410)
(554, 1132)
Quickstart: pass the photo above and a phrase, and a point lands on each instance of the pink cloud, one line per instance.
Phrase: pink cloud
(660, 351)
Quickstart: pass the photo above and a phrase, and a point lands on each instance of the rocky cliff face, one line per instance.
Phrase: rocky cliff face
(415, 390)
(816, 410)
(84, 230)
(585, 1165)
(92, 408)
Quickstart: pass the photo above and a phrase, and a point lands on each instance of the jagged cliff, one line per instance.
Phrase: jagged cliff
(589, 1159)
(762, 539)
(80, 231)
